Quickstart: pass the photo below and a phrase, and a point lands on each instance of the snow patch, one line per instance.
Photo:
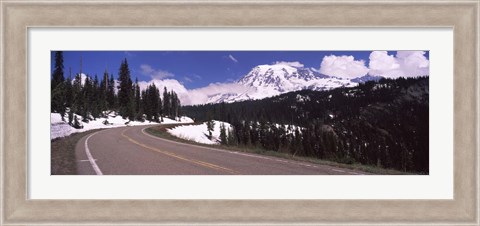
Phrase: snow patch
(198, 133)
(59, 128)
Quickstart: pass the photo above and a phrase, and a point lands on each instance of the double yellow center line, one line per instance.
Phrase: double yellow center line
(173, 155)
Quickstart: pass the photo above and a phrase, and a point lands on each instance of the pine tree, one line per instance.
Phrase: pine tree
(223, 134)
(95, 98)
(138, 102)
(174, 103)
(78, 99)
(57, 76)
(131, 104)
(124, 90)
(102, 92)
(111, 100)
(58, 99)
(69, 91)
(166, 102)
(58, 89)
(87, 99)
(210, 127)
(152, 103)
(231, 139)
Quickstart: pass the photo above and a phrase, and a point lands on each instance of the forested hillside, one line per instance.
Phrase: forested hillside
(383, 123)
(91, 97)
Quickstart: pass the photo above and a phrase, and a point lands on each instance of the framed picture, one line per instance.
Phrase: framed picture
(438, 38)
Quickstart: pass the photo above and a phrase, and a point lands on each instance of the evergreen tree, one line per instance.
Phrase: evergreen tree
(102, 93)
(125, 91)
(58, 89)
(138, 102)
(95, 98)
(69, 91)
(58, 99)
(166, 102)
(175, 105)
(78, 99)
(152, 103)
(111, 99)
(210, 127)
(57, 76)
(223, 134)
(231, 139)
(87, 99)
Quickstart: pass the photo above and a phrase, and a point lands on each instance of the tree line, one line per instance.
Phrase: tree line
(94, 98)
(382, 123)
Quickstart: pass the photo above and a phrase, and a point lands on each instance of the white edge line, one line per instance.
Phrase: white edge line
(90, 158)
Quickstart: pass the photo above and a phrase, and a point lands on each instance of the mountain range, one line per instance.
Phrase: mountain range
(271, 80)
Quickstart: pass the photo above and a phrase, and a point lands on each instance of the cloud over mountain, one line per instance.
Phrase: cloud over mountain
(403, 64)
(343, 67)
(290, 63)
(284, 76)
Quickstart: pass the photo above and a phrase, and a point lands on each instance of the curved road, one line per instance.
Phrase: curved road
(131, 151)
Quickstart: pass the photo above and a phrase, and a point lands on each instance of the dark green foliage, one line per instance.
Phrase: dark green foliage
(223, 134)
(231, 139)
(151, 103)
(138, 103)
(57, 87)
(110, 95)
(166, 102)
(77, 93)
(70, 117)
(57, 76)
(58, 103)
(102, 94)
(210, 126)
(92, 98)
(125, 91)
(383, 123)
(171, 104)
(68, 91)
(76, 123)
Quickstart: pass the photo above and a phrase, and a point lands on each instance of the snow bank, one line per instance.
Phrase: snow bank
(59, 128)
(198, 133)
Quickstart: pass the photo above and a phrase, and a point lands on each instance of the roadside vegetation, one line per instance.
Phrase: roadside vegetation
(161, 131)
(382, 123)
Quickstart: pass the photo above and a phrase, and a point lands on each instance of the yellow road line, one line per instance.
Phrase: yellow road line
(197, 162)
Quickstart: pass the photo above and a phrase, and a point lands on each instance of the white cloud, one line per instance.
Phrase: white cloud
(194, 96)
(171, 84)
(403, 64)
(187, 79)
(201, 95)
(232, 58)
(155, 73)
(343, 67)
(292, 64)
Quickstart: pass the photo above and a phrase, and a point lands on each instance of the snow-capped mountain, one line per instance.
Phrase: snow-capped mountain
(271, 80)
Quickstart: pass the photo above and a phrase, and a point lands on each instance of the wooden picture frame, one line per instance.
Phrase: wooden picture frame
(18, 16)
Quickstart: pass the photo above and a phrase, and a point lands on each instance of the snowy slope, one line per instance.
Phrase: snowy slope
(271, 80)
(198, 133)
(59, 128)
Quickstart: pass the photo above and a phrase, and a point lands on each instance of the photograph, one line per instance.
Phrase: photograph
(231, 112)
(239, 112)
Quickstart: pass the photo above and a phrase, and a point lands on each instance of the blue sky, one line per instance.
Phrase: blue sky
(195, 69)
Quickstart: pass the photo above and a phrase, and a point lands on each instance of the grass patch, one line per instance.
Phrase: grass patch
(161, 131)
(63, 160)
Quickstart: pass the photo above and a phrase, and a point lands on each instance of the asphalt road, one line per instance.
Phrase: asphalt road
(131, 151)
